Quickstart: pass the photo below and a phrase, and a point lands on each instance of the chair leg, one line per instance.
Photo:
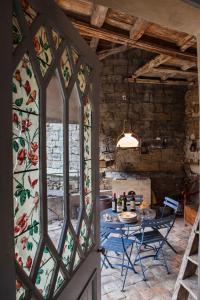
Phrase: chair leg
(124, 281)
(165, 261)
(122, 266)
(138, 257)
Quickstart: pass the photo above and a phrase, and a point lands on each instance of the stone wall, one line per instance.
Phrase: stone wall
(155, 111)
(55, 154)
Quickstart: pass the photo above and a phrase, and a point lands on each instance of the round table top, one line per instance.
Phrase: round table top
(111, 217)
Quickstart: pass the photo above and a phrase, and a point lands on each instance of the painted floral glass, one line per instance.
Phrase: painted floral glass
(87, 177)
(87, 111)
(20, 291)
(25, 89)
(77, 260)
(45, 273)
(26, 246)
(42, 49)
(66, 67)
(87, 142)
(16, 31)
(59, 281)
(26, 194)
(83, 235)
(25, 141)
(56, 38)
(88, 204)
(29, 13)
(68, 249)
(83, 74)
(26, 201)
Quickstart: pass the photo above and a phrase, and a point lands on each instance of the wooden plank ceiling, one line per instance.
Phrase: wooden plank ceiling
(108, 32)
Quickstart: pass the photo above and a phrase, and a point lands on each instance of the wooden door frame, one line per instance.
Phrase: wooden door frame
(7, 266)
(7, 263)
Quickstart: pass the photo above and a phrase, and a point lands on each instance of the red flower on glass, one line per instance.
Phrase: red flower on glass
(21, 224)
(33, 158)
(29, 262)
(26, 124)
(18, 77)
(36, 44)
(23, 241)
(32, 97)
(18, 284)
(27, 87)
(21, 156)
(32, 182)
(24, 4)
(15, 118)
(34, 147)
(20, 262)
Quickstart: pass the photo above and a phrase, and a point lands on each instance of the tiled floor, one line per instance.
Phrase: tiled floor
(159, 284)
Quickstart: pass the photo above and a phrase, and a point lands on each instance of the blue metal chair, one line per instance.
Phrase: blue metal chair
(152, 240)
(173, 204)
(119, 244)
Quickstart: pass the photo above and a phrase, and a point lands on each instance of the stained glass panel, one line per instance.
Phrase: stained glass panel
(66, 67)
(25, 89)
(77, 260)
(25, 141)
(88, 204)
(16, 31)
(83, 235)
(29, 13)
(26, 246)
(45, 273)
(87, 177)
(56, 39)
(68, 249)
(59, 281)
(87, 111)
(82, 77)
(42, 49)
(26, 201)
(87, 142)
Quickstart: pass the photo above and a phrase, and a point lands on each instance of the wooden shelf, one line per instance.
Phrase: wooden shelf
(191, 285)
(194, 259)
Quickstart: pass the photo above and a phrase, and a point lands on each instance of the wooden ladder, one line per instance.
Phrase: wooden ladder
(187, 285)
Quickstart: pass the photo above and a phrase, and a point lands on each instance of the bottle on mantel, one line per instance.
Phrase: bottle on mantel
(124, 202)
(119, 205)
(132, 202)
(114, 203)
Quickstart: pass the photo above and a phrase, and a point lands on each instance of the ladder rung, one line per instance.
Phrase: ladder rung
(194, 259)
(191, 285)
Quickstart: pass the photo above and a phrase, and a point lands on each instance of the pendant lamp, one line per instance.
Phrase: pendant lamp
(128, 139)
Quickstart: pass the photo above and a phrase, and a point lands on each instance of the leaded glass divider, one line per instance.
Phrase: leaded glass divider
(42, 47)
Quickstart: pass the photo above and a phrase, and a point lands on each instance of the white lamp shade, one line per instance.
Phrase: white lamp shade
(128, 141)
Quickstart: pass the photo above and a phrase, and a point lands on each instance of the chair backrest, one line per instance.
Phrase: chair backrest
(168, 202)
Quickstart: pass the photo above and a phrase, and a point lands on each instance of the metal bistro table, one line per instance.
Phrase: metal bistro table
(108, 216)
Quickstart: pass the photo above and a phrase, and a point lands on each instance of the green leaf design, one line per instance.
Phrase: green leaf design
(28, 193)
(31, 231)
(22, 197)
(29, 246)
(19, 101)
(21, 296)
(19, 186)
(46, 46)
(21, 141)
(38, 279)
(35, 229)
(29, 72)
(14, 88)
(46, 250)
(15, 146)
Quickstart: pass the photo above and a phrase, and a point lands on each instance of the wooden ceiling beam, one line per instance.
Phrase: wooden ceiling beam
(83, 7)
(174, 72)
(97, 19)
(105, 53)
(187, 42)
(85, 29)
(138, 29)
(158, 60)
(157, 81)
